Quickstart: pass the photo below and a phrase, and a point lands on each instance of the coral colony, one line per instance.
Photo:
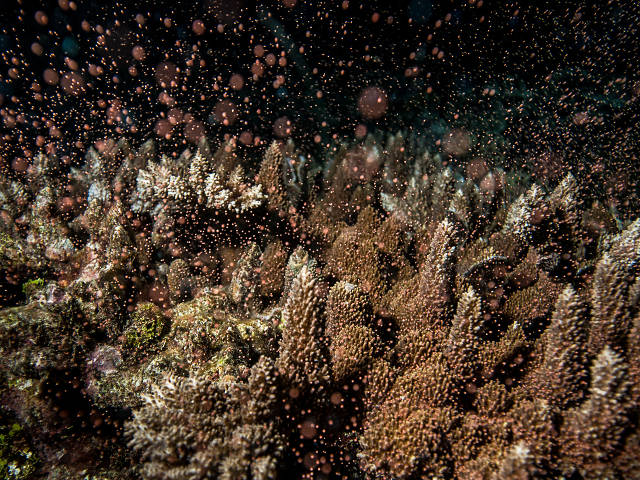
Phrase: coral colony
(390, 284)
(202, 321)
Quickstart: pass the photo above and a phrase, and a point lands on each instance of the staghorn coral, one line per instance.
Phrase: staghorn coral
(563, 373)
(434, 282)
(615, 295)
(462, 345)
(355, 257)
(352, 349)
(221, 186)
(272, 269)
(271, 177)
(347, 305)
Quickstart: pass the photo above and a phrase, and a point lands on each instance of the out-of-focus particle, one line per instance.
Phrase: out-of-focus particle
(138, 53)
(372, 103)
(198, 27)
(41, 17)
(50, 76)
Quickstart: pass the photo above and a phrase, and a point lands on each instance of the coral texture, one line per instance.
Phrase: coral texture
(215, 316)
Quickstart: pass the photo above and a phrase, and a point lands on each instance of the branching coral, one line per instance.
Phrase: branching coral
(194, 428)
(203, 183)
(615, 294)
(593, 431)
(271, 177)
(302, 353)
(563, 373)
(385, 318)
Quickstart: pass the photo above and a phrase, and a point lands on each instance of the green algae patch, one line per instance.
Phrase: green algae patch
(31, 286)
(17, 460)
(146, 328)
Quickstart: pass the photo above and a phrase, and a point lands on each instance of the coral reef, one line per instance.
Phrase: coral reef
(210, 316)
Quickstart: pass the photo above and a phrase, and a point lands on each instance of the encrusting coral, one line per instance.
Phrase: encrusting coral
(208, 317)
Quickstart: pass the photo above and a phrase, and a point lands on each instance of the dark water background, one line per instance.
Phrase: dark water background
(546, 85)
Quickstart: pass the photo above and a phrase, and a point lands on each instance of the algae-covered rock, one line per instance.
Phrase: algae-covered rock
(115, 383)
(32, 286)
(145, 329)
(17, 459)
(35, 339)
(206, 330)
(101, 293)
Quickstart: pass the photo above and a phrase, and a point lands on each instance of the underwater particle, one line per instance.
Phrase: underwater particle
(270, 59)
(360, 131)
(549, 166)
(236, 81)
(282, 127)
(166, 74)
(372, 103)
(362, 163)
(138, 53)
(198, 27)
(225, 112)
(257, 69)
(41, 17)
(457, 142)
(50, 76)
(70, 46)
(163, 128)
(246, 138)
(72, 83)
(194, 130)
(37, 48)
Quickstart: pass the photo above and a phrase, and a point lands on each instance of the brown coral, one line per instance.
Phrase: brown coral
(302, 358)
(615, 296)
(271, 177)
(194, 428)
(593, 431)
(563, 374)
(448, 336)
